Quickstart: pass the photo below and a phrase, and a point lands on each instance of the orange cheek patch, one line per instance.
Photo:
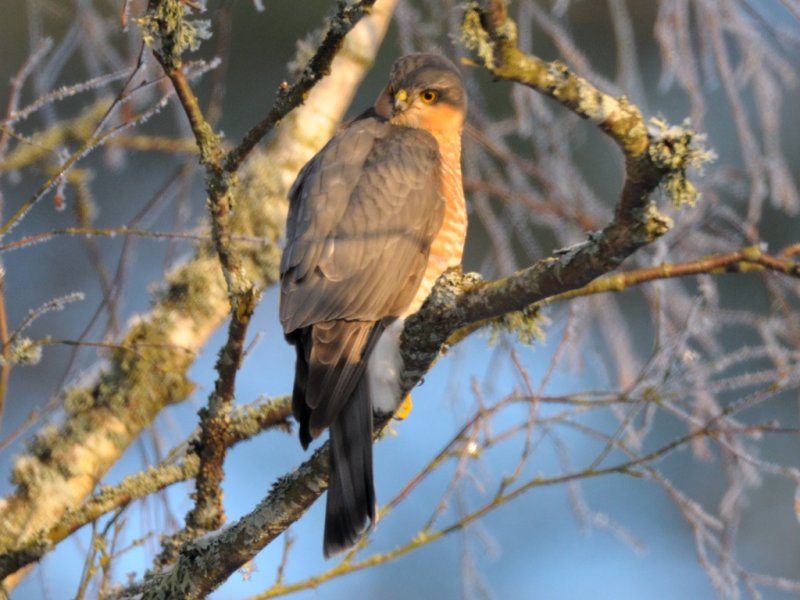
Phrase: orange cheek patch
(441, 120)
(444, 118)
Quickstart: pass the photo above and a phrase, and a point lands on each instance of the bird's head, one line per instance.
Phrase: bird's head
(425, 91)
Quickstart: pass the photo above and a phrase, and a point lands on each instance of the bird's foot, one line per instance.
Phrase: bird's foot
(404, 409)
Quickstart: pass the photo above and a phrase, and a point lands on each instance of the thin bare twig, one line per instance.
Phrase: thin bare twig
(746, 260)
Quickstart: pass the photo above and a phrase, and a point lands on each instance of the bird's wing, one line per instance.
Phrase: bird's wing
(362, 216)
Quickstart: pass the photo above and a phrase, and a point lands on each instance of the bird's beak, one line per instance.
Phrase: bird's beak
(400, 101)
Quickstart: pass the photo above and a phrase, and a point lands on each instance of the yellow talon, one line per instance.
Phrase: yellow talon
(404, 409)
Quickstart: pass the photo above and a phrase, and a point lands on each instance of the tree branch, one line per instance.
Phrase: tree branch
(654, 156)
(246, 422)
(745, 260)
(347, 16)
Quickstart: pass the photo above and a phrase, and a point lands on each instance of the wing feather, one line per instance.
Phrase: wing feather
(362, 217)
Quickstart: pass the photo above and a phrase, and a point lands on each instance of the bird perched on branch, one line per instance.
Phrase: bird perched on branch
(374, 219)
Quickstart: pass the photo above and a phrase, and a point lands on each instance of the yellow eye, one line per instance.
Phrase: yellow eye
(429, 96)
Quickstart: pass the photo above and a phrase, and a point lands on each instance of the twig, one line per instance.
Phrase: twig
(16, 87)
(347, 16)
(742, 261)
(5, 347)
(94, 139)
(424, 538)
(114, 232)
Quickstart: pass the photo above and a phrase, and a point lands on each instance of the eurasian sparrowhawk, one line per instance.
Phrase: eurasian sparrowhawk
(374, 219)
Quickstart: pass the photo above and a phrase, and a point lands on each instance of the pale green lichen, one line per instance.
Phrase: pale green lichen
(675, 149)
(474, 36)
(306, 48)
(595, 105)
(507, 30)
(657, 223)
(78, 400)
(526, 324)
(167, 22)
(24, 352)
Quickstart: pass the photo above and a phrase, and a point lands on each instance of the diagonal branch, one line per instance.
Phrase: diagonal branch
(654, 156)
(289, 97)
(246, 422)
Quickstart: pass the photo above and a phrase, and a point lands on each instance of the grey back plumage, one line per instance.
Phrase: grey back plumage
(365, 207)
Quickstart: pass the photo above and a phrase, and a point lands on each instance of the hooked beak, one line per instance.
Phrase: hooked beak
(400, 100)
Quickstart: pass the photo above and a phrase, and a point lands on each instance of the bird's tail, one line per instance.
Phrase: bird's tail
(351, 493)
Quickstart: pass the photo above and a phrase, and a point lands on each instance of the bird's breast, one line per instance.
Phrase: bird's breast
(448, 246)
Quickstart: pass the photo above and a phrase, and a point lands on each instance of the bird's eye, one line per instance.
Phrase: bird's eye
(429, 96)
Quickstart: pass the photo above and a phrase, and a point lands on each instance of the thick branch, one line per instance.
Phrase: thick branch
(654, 156)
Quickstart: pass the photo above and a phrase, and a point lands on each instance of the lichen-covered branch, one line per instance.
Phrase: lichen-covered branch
(246, 421)
(167, 24)
(206, 562)
(655, 155)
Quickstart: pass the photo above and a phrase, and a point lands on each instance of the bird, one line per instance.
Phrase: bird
(375, 217)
